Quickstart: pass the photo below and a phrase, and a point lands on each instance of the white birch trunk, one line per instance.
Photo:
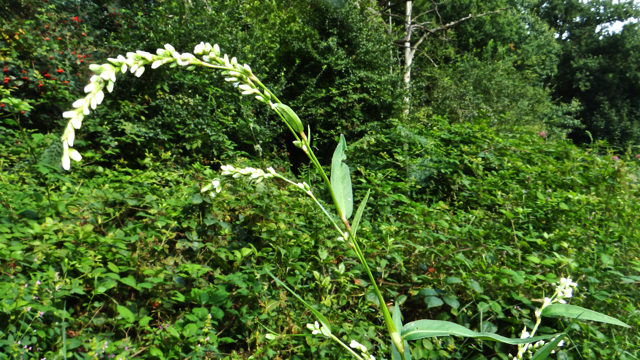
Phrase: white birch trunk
(408, 55)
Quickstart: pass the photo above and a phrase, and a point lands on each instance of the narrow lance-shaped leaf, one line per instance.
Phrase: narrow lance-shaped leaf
(315, 312)
(397, 322)
(356, 218)
(341, 180)
(290, 116)
(430, 328)
(572, 311)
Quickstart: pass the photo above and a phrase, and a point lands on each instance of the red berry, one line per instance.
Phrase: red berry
(2, 105)
(46, 39)
(24, 72)
(22, 112)
(54, 79)
(59, 38)
(5, 69)
(47, 75)
(25, 78)
(46, 27)
(60, 70)
(51, 57)
(83, 34)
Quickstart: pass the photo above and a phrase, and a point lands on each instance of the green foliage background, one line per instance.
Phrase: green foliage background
(473, 214)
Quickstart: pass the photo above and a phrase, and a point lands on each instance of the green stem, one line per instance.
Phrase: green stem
(346, 347)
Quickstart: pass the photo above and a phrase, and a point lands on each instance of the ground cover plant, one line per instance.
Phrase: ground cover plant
(341, 193)
(473, 227)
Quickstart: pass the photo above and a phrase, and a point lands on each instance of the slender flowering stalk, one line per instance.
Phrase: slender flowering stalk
(564, 290)
(248, 84)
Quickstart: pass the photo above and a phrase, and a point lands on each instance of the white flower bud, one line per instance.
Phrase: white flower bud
(110, 86)
(246, 67)
(207, 47)
(99, 97)
(156, 64)
(114, 61)
(85, 110)
(230, 79)
(76, 122)
(71, 135)
(94, 78)
(199, 49)
(75, 155)
(121, 59)
(134, 68)
(234, 61)
(93, 103)
(124, 68)
(145, 55)
(245, 87)
(169, 47)
(216, 50)
(96, 68)
(89, 88)
(78, 103)
(139, 71)
(226, 60)
(260, 98)
(105, 75)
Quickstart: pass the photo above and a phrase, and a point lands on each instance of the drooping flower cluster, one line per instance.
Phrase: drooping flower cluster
(564, 290)
(255, 174)
(317, 329)
(135, 62)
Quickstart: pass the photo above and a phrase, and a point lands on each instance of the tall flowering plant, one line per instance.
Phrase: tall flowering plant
(338, 184)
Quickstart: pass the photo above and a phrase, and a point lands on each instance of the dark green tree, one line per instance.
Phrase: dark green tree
(598, 67)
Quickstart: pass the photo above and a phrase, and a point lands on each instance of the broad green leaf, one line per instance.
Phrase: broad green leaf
(433, 301)
(451, 300)
(126, 314)
(341, 180)
(572, 311)
(154, 351)
(430, 328)
(315, 312)
(356, 219)
(145, 321)
(290, 117)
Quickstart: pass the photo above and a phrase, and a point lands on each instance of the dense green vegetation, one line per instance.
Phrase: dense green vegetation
(479, 203)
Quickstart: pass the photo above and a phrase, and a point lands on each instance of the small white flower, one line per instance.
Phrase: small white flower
(524, 334)
(124, 68)
(110, 86)
(169, 47)
(270, 169)
(75, 155)
(69, 114)
(89, 88)
(99, 97)
(139, 71)
(78, 103)
(156, 64)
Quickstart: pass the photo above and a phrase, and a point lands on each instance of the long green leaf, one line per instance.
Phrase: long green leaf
(397, 322)
(315, 312)
(290, 116)
(356, 219)
(429, 328)
(341, 180)
(572, 311)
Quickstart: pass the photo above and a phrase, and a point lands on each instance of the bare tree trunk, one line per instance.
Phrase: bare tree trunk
(408, 55)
